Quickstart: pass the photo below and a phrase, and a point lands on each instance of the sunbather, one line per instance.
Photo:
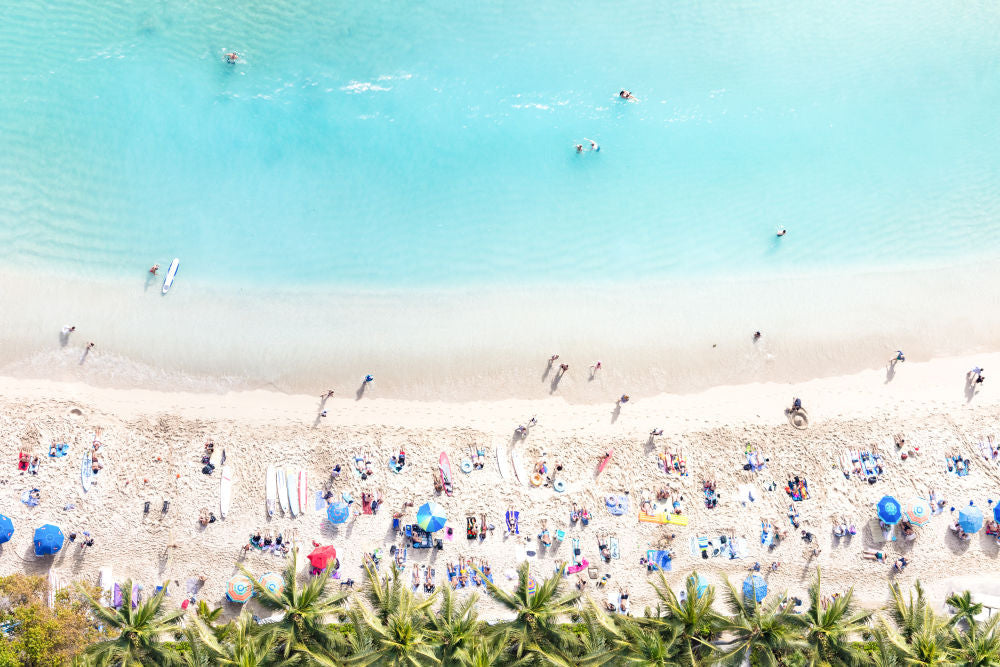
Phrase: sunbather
(580, 582)
(623, 600)
(873, 554)
(543, 536)
(429, 580)
(574, 515)
(602, 544)
(677, 503)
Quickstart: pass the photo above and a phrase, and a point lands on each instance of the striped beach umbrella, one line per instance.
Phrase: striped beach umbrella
(431, 517)
(532, 585)
(239, 589)
(338, 512)
(889, 510)
(970, 519)
(754, 587)
(917, 511)
(273, 582)
(6, 528)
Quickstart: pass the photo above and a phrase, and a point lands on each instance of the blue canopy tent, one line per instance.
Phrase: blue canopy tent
(48, 540)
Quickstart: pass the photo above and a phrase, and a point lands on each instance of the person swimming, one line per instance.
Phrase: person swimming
(232, 58)
(593, 144)
(782, 231)
(626, 95)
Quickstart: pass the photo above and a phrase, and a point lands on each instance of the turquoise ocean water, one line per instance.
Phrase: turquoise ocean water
(428, 144)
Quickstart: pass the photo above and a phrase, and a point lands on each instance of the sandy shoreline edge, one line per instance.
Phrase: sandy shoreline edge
(153, 442)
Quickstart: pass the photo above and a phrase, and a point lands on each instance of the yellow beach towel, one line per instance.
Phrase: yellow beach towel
(664, 517)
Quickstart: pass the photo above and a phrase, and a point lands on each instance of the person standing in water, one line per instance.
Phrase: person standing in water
(782, 231)
(154, 269)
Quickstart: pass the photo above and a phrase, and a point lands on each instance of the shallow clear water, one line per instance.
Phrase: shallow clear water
(397, 144)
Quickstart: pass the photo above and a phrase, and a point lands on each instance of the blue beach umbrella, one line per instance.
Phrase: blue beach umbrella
(970, 519)
(48, 540)
(754, 587)
(338, 512)
(700, 584)
(431, 517)
(6, 528)
(996, 512)
(889, 510)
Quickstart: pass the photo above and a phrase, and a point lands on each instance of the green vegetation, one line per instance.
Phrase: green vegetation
(386, 623)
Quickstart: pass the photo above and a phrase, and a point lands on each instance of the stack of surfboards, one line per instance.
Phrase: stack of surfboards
(287, 489)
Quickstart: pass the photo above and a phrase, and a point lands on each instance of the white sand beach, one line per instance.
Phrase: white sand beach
(153, 441)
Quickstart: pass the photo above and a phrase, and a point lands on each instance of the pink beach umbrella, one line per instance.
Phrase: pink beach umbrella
(917, 511)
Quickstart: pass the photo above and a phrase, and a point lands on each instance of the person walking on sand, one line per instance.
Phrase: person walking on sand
(90, 346)
(563, 368)
(328, 394)
(899, 356)
(596, 367)
(624, 398)
(553, 358)
(369, 378)
(67, 329)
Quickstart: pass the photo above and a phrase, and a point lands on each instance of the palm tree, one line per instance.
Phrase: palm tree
(979, 646)
(454, 626)
(965, 609)
(763, 633)
(394, 631)
(636, 644)
(829, 628)
(487, 650)
(928, 646)
(692, 617)
(535, 633)
(136, 633)
(909, 614)
(246, 645)
(305, 612)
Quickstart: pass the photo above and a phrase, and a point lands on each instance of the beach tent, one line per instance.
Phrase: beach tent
(338, 512)
(754, 587)
(273, 582)
(970, 519)
(889, 510)
(6, 528)
(431, 517)
(321, 556)
(239, 589)
(917, 511)
(48, 540)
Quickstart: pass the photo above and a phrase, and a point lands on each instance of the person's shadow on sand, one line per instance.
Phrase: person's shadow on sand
(63, 338)
(617, 412)
(83, 357)
(555, 381)
(890, 371)
(359, 394)
(548, 369)
(970, 387)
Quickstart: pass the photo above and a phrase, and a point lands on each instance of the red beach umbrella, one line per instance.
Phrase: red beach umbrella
(320, 556)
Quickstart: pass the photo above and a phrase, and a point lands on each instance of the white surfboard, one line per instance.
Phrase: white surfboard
(55, 584)
(293, 492)
(270, 485)
(106, 581)
(168, 279)
(279, 479)
(225, 491)
(303, 491)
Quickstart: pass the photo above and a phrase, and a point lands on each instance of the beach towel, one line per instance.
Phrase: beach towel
(62, 449)
(616, 504)
(658, 560)
(511, 519)
(579, 567)
(766, 537)
(576, 551)
(664, 517)
(613, 545)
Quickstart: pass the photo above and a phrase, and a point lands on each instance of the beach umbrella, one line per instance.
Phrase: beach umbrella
(48, 540)
(6, 528)
(754, 587)
(273, 582)
(321, 556)
(917, 511)
(889, 511)
(701, 584)
(970, 519)
(431, 517)
(239, 589)
(338, 512)
(996, 512)
(532, 585)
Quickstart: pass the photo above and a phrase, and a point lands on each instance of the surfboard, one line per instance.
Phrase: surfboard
(168, 279)
(279, 480)
(303, 490)
(225, 491)
(445, 466)
(55, 584)
(293, 494)
(270, 485)
(86, 471)
(106, 581)
(604, 461)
